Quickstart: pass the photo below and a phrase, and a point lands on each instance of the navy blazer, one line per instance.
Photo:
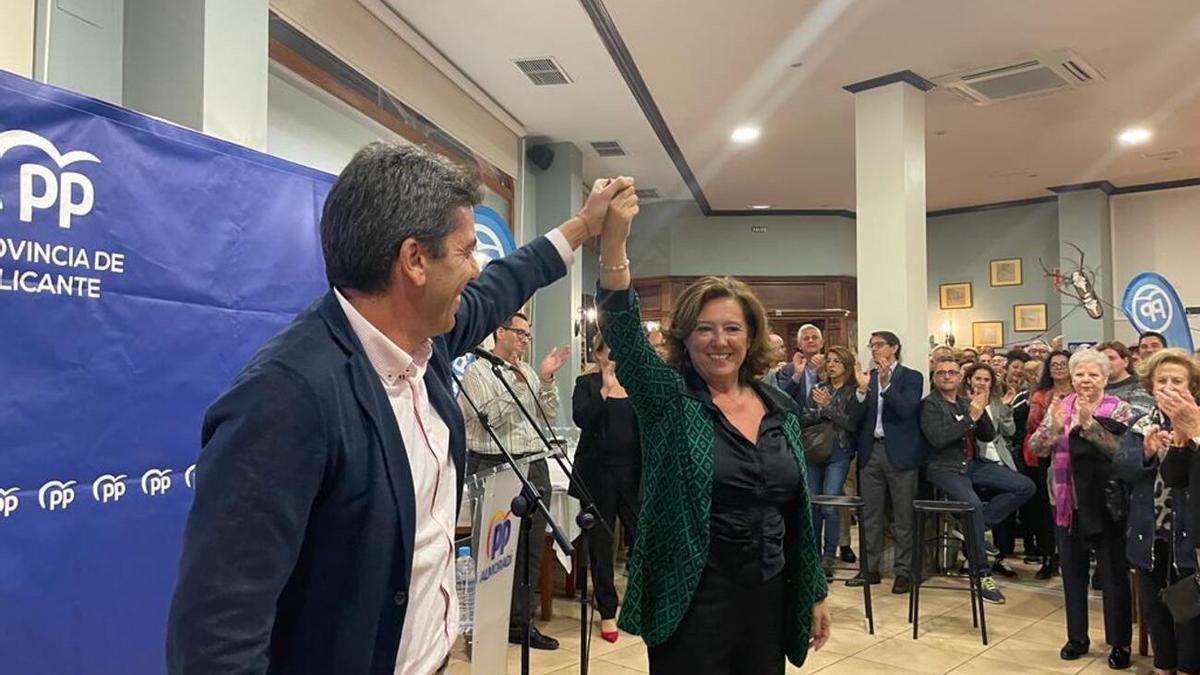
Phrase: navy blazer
(906, 446)
(298, 549)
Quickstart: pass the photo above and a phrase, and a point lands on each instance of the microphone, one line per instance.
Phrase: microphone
(491, 358)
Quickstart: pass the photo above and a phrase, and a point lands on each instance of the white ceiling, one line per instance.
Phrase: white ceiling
(714, 65)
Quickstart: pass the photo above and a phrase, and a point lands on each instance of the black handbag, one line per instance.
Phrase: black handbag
(1116, 500)
(818, 442)
(1182, 598)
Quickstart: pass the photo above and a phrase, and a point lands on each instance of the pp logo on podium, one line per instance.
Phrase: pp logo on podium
(498, 533)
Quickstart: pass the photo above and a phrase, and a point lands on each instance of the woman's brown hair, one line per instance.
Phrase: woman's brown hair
(686, 313)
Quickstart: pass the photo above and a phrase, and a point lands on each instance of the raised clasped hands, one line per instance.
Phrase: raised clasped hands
(599, 202)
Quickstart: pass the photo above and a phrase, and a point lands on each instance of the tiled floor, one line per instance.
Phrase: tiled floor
(1024, 636)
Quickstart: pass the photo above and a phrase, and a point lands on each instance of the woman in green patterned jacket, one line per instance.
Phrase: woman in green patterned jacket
(725, 576)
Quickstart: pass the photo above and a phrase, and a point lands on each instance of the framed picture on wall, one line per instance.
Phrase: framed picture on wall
(987, 333)
(955, 296)
(1029, 317)
(1006, 272)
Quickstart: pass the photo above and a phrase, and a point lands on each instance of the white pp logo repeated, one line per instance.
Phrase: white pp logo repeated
(56, 495)
(9, 501)
(40, 188)
(109, 488)
(156, 482)
(189, 476)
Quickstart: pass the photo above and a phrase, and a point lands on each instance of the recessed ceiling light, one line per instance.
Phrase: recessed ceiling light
(1134, 136)
(760, 207)
(745, 134)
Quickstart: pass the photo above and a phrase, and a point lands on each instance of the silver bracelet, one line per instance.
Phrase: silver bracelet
(614, 268)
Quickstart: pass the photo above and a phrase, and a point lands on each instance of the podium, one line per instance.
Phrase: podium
(486, 511)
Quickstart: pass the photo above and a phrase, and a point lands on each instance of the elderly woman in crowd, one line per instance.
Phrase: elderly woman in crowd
(725, 575)
(1080, 433)
(1159, 542)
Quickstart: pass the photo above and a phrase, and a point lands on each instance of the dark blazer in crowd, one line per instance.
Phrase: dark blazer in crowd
(945, 426)
(1131, 466)
(795, 388)
(588, 413)
(906, 447)
(298, 549)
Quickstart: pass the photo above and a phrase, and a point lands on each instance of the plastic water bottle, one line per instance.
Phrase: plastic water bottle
(464, 568)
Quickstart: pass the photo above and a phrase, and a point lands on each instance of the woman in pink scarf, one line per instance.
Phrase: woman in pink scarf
(1081, 433)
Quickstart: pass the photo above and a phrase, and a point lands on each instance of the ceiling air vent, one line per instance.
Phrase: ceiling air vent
(1050, 72)
(608, 148)
(647, 193)
(542, 71)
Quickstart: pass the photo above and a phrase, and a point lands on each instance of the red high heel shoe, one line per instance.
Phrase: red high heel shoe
(610, 636)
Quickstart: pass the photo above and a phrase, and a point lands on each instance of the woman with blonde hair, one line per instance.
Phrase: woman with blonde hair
(1158, 540)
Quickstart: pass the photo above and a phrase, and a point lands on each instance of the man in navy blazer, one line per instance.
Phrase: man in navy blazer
(891, 449)
(320, 539)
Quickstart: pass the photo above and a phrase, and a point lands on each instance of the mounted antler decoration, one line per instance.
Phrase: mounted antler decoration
(1082, 285)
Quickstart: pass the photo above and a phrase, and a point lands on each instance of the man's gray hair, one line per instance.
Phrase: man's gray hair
(390, 192)
(808, 326)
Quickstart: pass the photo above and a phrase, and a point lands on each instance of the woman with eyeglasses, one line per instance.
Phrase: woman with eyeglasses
(1080, 434)
(1055, 384)
(1158, 541)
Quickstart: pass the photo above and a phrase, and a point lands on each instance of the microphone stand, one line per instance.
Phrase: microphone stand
(587, 517)
(523, 506)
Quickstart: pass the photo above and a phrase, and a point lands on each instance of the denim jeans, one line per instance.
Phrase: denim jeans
(1011, 491)
(827, 479)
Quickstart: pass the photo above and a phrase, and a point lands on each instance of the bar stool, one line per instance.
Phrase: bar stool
(938, 509)
(855, 504)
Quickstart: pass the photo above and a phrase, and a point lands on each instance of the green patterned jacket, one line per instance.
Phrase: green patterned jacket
(670, 549)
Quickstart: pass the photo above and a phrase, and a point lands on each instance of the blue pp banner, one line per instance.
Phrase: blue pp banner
(1151, 304)
(493, 237)
(141, 264)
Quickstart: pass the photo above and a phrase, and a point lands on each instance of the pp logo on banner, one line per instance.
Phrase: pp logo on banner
(56, 495)
(1151, 304)
(493, 240)
(109, 488)
(189, 476)
(9, 501)
(156, 482)
(1151, 308)
(41, 188)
